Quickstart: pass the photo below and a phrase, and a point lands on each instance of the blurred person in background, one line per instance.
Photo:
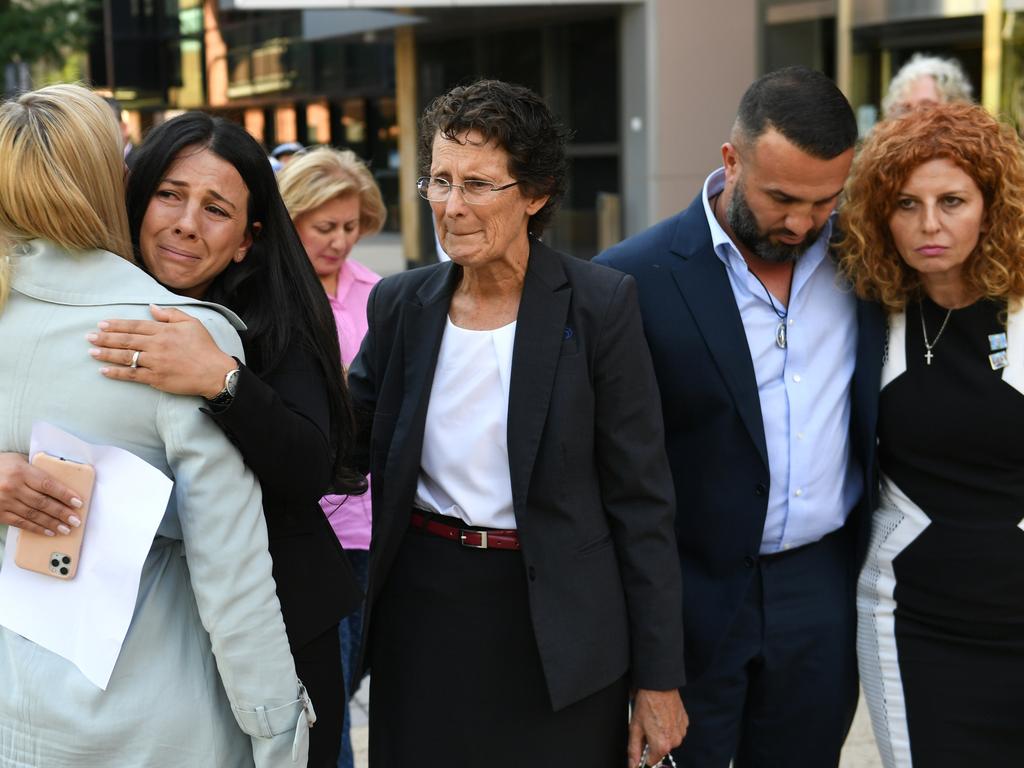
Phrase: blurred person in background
(207, 221)
(126, 137)
(204, 677)
(925, 81)
(934, 231)
(286, 152)
(523, 575)
(334, 202)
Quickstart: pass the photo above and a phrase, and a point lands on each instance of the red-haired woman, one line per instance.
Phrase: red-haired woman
(934, 230)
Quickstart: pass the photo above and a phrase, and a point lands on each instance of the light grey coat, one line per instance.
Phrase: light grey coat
(205, 676)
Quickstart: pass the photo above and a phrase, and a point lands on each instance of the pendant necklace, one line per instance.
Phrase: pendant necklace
(924, 332)
(780, 330)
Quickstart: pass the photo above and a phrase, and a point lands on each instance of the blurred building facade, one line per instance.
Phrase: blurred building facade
(863, 43)
(648, 87)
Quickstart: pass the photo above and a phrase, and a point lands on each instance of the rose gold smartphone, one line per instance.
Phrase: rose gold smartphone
(58, 555)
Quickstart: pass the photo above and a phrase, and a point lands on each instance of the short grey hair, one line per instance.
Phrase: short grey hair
(950, 80)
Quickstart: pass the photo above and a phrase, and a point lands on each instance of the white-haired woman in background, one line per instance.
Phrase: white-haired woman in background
(926, 80)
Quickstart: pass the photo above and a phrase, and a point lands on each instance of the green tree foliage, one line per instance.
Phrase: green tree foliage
(43, 30)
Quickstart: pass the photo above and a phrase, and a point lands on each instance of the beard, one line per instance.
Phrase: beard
(744, 226)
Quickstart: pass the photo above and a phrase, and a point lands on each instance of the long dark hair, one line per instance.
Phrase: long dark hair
(274, 289)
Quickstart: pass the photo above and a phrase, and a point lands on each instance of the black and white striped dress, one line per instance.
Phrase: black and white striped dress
(941, 595)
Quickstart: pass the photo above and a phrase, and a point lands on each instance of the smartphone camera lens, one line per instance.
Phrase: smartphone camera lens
(55, 562)
(63, 571)
(66, 560)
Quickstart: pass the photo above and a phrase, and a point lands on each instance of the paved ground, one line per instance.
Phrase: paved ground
(359, 711)
(383, 254)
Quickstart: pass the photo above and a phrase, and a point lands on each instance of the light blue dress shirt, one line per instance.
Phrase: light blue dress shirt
(804, 389)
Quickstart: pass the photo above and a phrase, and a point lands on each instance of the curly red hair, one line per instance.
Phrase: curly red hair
(986, 150)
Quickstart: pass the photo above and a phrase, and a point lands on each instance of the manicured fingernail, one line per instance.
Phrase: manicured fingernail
(104, 371)
(93, 352)
(91, 336)
(74, 520)
(76, 502)
(103, 325)
(64, 529)
(49, 533)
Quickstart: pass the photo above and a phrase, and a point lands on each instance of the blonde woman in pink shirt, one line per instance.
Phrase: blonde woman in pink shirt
(334, 201)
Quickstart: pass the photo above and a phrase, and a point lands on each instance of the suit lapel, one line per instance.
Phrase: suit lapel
(540, 330)
(704, 285)
(423, 323)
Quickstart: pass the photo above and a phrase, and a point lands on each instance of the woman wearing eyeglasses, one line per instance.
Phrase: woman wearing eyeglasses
(523, 574)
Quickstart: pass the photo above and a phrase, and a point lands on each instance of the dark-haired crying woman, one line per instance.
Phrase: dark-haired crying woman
(207, 221)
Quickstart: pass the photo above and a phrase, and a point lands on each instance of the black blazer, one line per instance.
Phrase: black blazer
(714, 430)
(590, 481)
(281, 425)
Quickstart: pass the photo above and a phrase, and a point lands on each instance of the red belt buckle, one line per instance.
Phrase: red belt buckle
(464, 536)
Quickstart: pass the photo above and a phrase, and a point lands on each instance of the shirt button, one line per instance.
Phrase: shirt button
(799, 435)
(785, 546)
(799, 492)
(791, 321)
(760, 489)
(796, 377)
(748, 561)
(531, 573)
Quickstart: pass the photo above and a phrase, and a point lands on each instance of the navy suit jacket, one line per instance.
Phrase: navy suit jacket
(714, 431)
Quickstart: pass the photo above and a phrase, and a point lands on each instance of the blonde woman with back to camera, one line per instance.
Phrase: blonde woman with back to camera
(204, 678)
(334, 202)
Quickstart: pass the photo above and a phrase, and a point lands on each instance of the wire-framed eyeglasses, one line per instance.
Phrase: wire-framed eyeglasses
(474, 191)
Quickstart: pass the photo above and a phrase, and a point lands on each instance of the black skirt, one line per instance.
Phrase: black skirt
(456, 678)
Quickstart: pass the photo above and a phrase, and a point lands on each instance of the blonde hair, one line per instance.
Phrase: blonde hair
(321, 175)
(61, 174)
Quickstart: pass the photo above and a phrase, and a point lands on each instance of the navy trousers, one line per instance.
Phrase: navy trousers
(782, 689)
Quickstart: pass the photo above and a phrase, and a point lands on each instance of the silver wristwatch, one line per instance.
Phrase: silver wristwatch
(226, 395)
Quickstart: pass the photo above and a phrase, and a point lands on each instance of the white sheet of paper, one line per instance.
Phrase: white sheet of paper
(95, 608)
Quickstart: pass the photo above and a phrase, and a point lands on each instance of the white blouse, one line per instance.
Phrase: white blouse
(464, 465)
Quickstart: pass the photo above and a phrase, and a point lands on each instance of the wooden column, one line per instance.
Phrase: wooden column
(992, 56)
(844, 45)
(407, 112)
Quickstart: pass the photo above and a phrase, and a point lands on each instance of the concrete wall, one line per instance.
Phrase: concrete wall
(685, 65)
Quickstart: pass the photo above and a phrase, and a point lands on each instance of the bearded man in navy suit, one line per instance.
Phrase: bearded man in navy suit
(769, 370)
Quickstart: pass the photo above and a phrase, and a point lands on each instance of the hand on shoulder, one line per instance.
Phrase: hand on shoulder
(174, 353)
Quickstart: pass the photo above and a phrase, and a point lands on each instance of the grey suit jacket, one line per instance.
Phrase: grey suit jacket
(206, 650)
(591, 487)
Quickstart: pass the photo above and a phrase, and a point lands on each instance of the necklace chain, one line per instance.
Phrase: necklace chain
(781, 336)
(778, 312)
(924, 333)
(780, 332)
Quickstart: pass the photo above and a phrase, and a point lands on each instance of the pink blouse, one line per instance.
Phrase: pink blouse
(350, 515)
